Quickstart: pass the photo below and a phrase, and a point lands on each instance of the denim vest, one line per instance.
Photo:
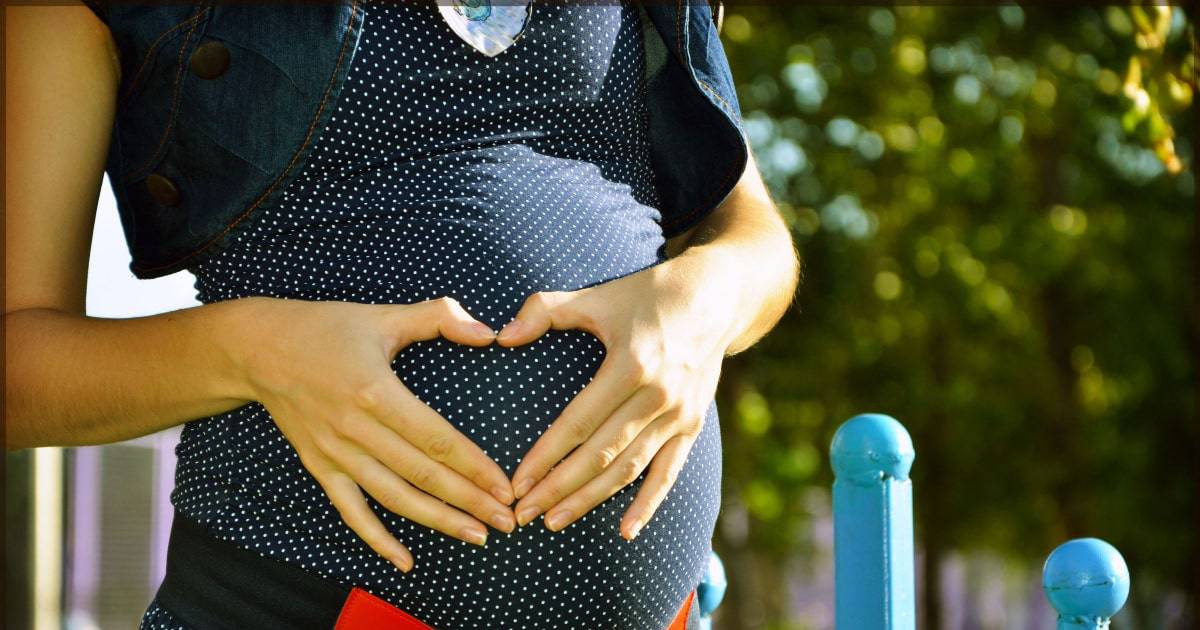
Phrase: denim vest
(220, 104)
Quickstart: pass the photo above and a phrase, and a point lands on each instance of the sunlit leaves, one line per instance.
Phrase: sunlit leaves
(996, 252)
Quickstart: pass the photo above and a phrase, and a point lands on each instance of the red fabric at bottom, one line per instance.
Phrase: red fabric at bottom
(364, 611)
(681, 617)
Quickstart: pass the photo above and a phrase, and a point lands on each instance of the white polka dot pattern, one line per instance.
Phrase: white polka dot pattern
(446, 172)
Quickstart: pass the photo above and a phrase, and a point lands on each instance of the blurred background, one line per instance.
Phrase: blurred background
(996, 210)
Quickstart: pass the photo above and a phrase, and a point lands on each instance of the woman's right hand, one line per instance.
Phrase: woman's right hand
(322, 369)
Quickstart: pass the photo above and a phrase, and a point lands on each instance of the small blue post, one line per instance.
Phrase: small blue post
(1087, 582)
(711, 590)
(872, 525)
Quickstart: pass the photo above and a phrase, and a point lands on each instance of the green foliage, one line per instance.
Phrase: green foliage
(998, 249)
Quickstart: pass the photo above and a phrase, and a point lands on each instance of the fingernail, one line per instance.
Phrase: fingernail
(502, 521)
(471, 534)
(401, 563)
(558, 520)
(528, 514)
(523, 487)
(502, 494)
(484, 329)
(510, 329)
(635, 528)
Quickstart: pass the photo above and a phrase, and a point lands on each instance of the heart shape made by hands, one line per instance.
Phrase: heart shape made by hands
(489, 26)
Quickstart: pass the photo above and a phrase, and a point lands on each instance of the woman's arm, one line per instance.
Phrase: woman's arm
(320, 368)
(746, 249)
(72, 379)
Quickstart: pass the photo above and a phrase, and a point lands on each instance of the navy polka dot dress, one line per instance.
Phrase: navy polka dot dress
(444, 172)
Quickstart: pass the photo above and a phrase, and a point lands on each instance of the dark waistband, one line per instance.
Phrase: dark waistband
(214, 584)
(211, 584)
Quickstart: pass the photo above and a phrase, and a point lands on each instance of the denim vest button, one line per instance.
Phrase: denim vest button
(210, 60)
(162, 189)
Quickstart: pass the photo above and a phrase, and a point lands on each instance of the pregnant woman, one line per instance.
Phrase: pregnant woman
(352, 418)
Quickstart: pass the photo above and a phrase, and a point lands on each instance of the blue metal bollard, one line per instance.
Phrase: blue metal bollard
(1087, 582)
(872, 522)
(711, 590)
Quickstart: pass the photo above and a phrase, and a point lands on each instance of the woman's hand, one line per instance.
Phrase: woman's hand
(323, 371)
(665, 332)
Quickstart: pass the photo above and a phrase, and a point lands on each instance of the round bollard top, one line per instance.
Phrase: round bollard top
(711, 589)
(869, 446)
(1086, 577)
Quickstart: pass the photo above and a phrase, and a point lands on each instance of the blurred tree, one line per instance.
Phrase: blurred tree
(996, 211)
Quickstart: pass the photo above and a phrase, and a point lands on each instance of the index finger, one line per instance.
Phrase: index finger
(401, 410)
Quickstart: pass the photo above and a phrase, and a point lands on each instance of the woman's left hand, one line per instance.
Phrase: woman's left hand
(665, 331)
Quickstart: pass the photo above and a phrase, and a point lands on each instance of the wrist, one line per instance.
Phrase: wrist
(239, 322)
(712, 277)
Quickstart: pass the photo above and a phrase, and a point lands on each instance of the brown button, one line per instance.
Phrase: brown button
(210, 60)
(163, 190)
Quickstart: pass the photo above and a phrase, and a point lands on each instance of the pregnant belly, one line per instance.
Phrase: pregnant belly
(568, 228)
(585, 576)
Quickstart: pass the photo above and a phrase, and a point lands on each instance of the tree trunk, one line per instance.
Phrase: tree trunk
(1194, 612)
(930, 502)
(736, 555)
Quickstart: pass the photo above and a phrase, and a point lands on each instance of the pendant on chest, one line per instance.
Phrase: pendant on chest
(489, 26)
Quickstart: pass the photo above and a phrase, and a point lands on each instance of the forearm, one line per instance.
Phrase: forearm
(743, 258)
(75, 380)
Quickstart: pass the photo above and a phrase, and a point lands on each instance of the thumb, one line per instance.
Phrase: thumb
(443, 317)
(544, 310)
